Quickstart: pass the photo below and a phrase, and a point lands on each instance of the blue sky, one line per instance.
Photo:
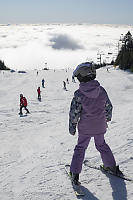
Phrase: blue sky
(67, 11)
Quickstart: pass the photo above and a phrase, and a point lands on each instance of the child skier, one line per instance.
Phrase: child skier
(43, 82)
(23, 104)
(67, 81)
(73, 79)
(39, 93)
(91, 109)
(64, 85)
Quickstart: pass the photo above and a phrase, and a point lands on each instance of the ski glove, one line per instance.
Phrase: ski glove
(72, 133)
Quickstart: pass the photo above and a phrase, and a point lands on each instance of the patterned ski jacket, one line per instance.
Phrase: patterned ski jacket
(90, 109)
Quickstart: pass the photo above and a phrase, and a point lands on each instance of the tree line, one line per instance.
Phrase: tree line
(125, 56)
(2, 66)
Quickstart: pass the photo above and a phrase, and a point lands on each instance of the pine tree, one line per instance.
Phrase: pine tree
(125, 55)
(2, 66)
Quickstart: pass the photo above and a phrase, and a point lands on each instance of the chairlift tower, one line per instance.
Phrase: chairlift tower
(99, 58)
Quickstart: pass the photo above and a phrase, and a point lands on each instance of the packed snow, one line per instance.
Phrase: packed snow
(35, 148)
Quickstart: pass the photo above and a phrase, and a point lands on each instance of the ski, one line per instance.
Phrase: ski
(77, 189)
(122, 176)
(22, 115)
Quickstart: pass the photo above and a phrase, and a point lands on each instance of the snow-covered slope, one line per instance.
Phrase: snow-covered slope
(34, 149)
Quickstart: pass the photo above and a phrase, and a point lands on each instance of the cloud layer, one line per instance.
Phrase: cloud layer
(61, 41)
(60, 45)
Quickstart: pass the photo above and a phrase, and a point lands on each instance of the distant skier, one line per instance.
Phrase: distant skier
(67, 81)
(64, 85)
(37, 73)
(39, 93)
(73, 79)
(91, 109)
(23, 104)
(43, 82)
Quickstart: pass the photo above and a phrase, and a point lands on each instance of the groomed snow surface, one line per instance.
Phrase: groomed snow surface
(35, 148)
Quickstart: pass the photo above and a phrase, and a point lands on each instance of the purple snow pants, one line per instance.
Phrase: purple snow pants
(101, 146)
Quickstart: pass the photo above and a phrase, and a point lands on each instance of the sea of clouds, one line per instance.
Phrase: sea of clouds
(36, 46)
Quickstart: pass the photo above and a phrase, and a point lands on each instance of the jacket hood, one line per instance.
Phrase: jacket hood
(90, 89)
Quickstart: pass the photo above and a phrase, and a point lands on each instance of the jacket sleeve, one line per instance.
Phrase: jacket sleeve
(108, 106)
(21, 102)
(108, 109)
(74, 114)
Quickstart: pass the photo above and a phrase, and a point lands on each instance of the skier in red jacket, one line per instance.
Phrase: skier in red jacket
(23, 104)
(39, 93)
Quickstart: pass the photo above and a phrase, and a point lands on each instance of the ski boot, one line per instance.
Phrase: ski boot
(75, 179)
(20, 113)
(114, 170)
